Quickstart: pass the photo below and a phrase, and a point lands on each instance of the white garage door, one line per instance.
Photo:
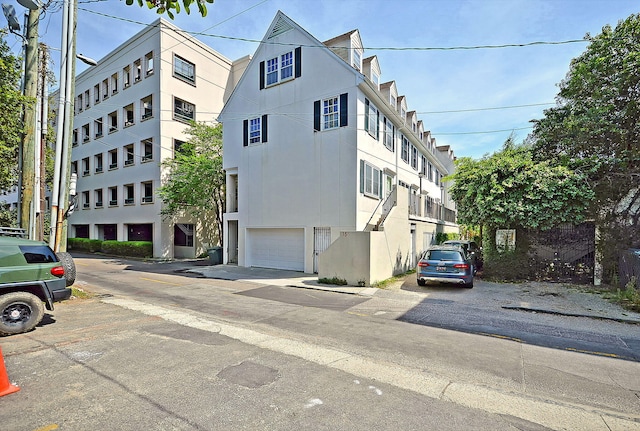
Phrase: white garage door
(276, 248)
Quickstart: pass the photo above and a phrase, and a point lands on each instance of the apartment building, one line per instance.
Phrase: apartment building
(328, 170)
(130, 114)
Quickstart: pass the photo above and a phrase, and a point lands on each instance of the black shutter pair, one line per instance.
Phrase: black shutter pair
(297, 66)
(245, 131)
(344, 112)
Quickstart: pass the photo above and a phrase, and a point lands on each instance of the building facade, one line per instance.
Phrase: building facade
(328, 170)
(131, 111)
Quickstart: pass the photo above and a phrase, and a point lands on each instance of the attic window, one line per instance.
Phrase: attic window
(281, 26)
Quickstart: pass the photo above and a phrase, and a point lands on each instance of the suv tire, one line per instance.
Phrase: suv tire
(69, 267)
(19, 312)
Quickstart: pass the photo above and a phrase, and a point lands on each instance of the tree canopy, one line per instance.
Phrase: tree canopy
(169, 6)
(595, 127)
(194, 181)
(508, 189)
(11, 100)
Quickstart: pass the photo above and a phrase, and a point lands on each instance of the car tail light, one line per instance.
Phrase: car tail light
(461, 265)
(58, 271)
(423, 263)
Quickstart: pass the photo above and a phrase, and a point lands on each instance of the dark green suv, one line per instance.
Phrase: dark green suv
(31, 277)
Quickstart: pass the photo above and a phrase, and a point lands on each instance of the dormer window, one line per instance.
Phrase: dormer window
(393, 101)
(376, 79)
(357, 59)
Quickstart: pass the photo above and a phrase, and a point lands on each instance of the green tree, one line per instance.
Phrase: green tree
(510, 190)
(194, 181)
(168, 6)
(595, 130)
(12, 101)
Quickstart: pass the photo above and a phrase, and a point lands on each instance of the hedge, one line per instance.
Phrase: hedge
(84, 244)
(118, 248)
(128, 248)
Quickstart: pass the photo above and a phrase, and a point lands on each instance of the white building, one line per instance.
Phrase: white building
(318, 152)
(130, 114)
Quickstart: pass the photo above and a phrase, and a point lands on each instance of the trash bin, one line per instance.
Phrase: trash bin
(215, 255)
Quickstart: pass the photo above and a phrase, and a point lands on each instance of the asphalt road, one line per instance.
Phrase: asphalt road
(483, 310)
(168, 350)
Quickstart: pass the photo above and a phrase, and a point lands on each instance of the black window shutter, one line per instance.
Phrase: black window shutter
(261, 75)
(366, 115)
(264, 128)
(378, 126)
(316, 115)
(245, 133)
(298, 60)
(380, 186)
(344, 109)
(361, 176)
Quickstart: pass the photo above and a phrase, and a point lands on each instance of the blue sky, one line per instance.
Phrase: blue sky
(469, 81)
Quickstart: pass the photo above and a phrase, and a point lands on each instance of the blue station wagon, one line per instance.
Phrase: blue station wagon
(445, 264)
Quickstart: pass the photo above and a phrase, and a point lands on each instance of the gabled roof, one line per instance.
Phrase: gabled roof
(282, 24)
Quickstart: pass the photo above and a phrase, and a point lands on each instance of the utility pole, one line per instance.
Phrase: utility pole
(66, 94)
(27, 204)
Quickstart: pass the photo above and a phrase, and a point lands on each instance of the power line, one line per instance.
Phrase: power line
(480, 133)
(486, 109)
(415, 48)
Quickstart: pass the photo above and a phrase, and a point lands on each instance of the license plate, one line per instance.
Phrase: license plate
(441, 268)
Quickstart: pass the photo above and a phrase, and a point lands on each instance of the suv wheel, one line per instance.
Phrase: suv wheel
(69, 267)
(19, 312)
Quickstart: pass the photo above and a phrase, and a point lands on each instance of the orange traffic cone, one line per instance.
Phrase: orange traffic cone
(6, 387)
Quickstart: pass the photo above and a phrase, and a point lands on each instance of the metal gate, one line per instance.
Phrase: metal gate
(321, 242)
(563, 254)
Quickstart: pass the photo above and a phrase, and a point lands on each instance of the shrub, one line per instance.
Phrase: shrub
(84, 244)
(128, 248)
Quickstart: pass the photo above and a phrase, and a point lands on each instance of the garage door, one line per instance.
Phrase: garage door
(276, 248)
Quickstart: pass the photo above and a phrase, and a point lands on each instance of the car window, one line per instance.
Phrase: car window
(38, 254)
(443, 255)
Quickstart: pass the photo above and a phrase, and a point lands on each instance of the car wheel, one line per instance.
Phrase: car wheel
(469, 285)
(422, 283)
(19, 312)
(69, 267)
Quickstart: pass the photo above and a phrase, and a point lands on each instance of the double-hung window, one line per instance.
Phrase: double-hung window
(272, 71)
(255, 130)
(330, 113)
(371, 184)
(286, 66)
(414, 157)
(371, 119)
(389, 130)
(281, 68)
(405, 149)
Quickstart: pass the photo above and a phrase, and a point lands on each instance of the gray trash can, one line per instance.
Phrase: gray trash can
(215, 255)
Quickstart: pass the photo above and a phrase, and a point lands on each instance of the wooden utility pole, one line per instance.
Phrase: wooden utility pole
(27, 205)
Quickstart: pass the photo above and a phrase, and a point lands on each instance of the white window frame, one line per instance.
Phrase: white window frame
(286, 66)
(388, 135)
(279, 69)
(271, 71)
(356, 59)
(405, 154)
(373, 120)
(331, 113)
(414, 157)
(255, 130)
(372, 185)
